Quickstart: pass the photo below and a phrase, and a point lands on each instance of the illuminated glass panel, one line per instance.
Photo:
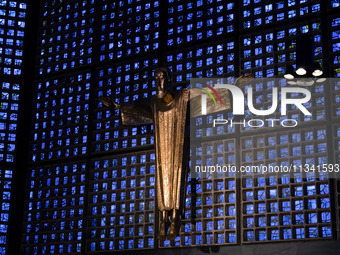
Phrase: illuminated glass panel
(6, 205)
(122, 203)
(12, 32)
(210, 205)
(128, 28)
(54, 209)
(257, 13)
(262, 99)
(336, 134)
(335, 64)
(60, 117)
(337, 143)
(127, 83)
(66, 35)
(209, 60)
(334, 3)
(291, 205)
(189, 21)
(266, 53)
(335, 85)
(335, 47)
(121, 199)
(12, 35)
(10, 95)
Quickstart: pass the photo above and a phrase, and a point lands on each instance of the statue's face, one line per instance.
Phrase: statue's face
(159, 78)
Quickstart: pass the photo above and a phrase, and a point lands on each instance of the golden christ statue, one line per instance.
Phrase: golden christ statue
(167, 111)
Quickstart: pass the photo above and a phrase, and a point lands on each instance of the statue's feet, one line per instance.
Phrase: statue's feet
(163, 228)
(174, 230)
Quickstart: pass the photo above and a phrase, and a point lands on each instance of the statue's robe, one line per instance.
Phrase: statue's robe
(169, 119)
(171, 139)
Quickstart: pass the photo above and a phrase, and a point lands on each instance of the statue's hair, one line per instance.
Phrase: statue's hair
(164, 71)
(168, 85)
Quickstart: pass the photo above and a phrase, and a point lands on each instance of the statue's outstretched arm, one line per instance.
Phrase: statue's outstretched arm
(108, 102)
(131, 115)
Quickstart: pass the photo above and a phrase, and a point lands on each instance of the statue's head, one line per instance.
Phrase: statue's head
(162, 81)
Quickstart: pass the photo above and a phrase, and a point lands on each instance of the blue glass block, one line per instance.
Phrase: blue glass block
(325, 217)
(130, 244)
(198, 226)
(326, 232)
(198, 239)
(300, 233)
(93, 246)
(312, 218)
(250, 223)
(272, 193)
(232, 237)
(286, 220)
(275, 235)
(311, 190)
(262, 235)
(249, 196)
(324, 203)
(209, 213)
(232, 224)
(299, 205)
(262, 222)
(250, 236)
(209, 238)
(299, 219)
(198, 188)
(274, 221)
(273, 207)
(220, 198)
(151, 193)
(209, 226)
(287, 234)
(324, 189)
(231, 210)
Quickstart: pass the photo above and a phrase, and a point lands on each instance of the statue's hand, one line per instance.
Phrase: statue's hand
(107, 101)
(244, 80)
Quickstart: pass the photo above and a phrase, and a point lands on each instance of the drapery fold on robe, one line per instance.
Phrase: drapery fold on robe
(169, 119)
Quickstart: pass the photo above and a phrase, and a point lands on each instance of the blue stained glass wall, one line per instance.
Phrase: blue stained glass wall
(12, 32)
(190, 21)
(61, 117)
(90, 185)
(122, 203)
(127, 28)
(125, 83)
(65, 35)
(13, 28)
(54, 218)
(10, 96)
(6, 176)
